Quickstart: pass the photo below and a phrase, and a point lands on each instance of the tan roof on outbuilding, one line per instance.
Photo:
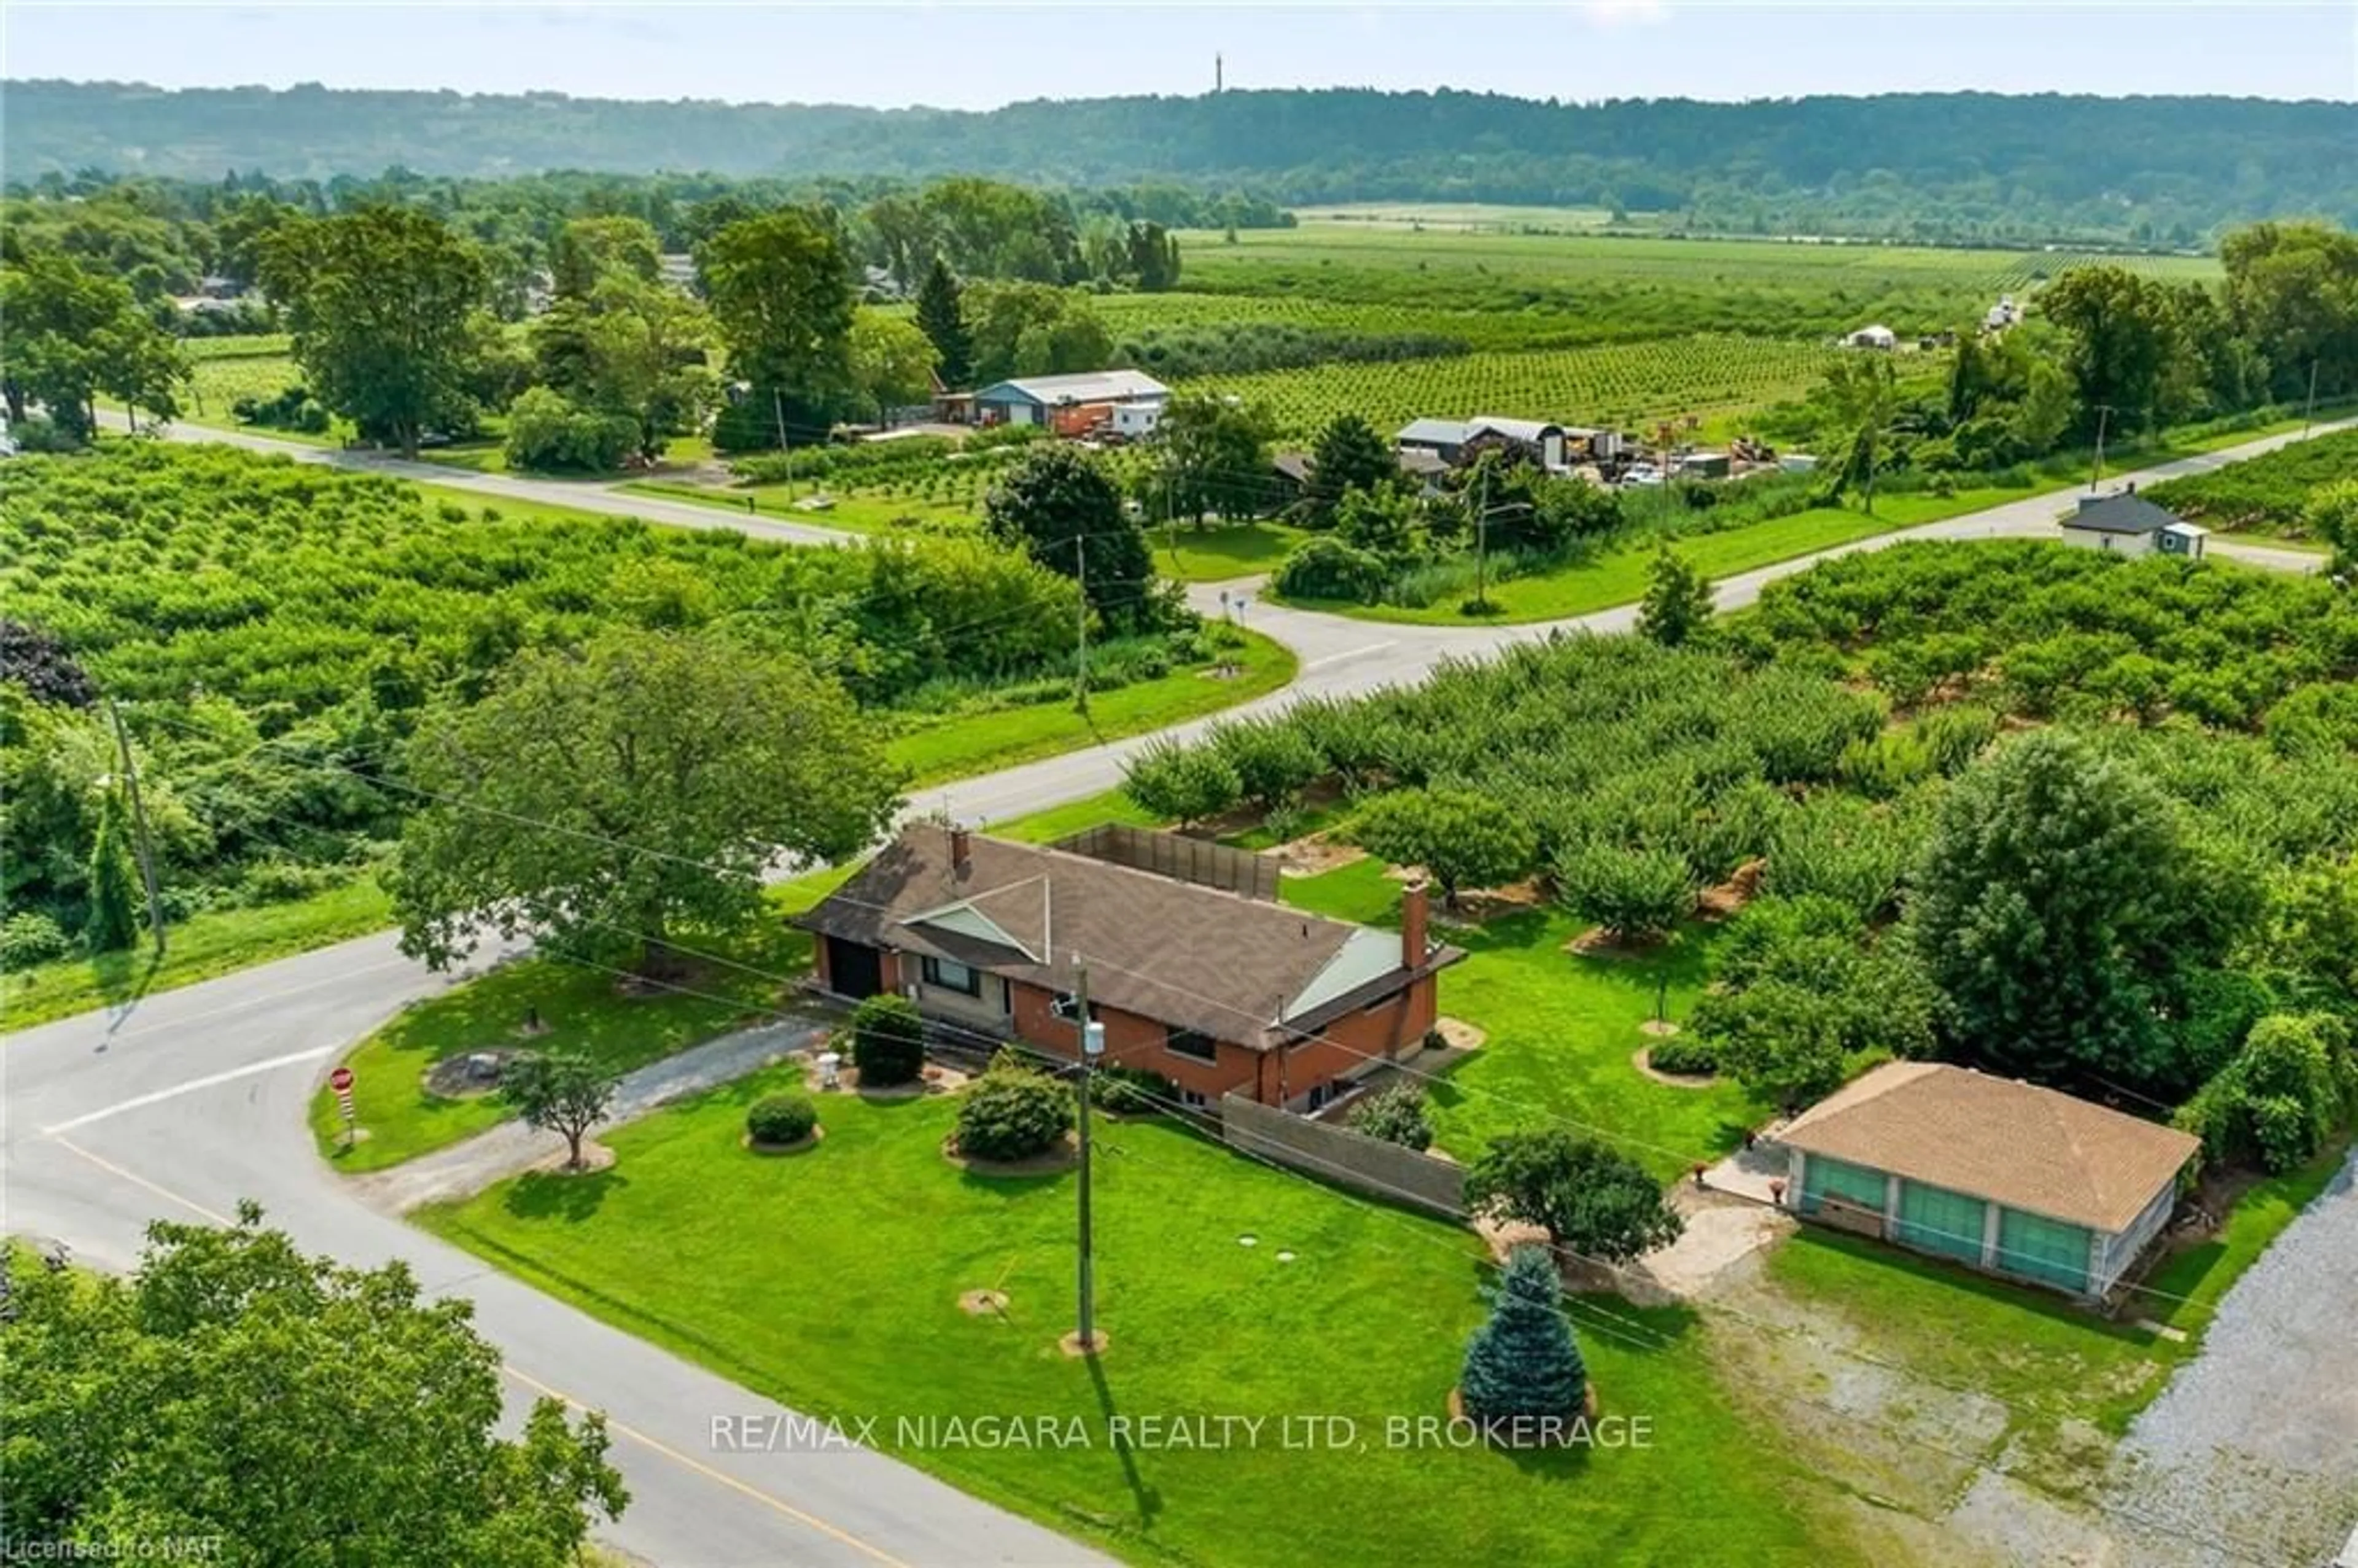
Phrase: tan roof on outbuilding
(2024, 1147)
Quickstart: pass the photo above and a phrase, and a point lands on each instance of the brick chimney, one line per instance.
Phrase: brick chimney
(961, 848)
(1415, 914)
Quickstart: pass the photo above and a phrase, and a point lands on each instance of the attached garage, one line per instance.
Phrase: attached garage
(2001, 1175)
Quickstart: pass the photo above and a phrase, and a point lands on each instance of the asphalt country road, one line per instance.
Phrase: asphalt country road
(181, 1104)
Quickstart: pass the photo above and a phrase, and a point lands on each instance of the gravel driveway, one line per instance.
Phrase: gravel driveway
(2250, 1454)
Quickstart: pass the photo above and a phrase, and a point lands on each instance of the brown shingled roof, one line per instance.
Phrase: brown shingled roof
(1188, 956)
(2022, 1146)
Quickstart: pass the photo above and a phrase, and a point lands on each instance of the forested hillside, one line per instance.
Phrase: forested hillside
(1954, 164)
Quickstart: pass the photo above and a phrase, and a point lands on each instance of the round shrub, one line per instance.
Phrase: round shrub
(781, 1120)
(1683, 1054)
(1397, 1116)
(888, 1042)
(1012, 1113)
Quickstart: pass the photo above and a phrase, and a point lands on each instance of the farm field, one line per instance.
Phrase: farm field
(1719, 378)
(2266, 495)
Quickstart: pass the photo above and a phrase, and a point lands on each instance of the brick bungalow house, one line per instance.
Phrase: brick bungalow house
(1220, 992)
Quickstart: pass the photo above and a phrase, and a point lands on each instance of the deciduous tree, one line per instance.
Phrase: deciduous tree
(1593, 1203)
(601, 800)
(385, 304)
(74, 333)
(892, 362)
(1216, 456)
(1462, 838)
(1636, 894)
(1181, 784)
(780, 288)
(564, 1092)
(1057, 504)
(230, 1385)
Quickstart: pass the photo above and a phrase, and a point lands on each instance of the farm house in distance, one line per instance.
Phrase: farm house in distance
(1125, 403)
(2127, 524)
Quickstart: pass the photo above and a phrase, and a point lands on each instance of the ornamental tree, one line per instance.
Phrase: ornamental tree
(564, 1092)
(1462, 837)
(1592, 1201)
(231, 1385)
(1523, 1363)
(601, 800)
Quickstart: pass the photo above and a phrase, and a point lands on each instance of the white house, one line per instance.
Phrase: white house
(2127, 524)
(1875, 337)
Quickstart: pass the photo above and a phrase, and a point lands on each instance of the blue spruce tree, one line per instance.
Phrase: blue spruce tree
(1523, 1361)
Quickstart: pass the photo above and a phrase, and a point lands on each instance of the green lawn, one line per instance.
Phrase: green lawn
(582, 1009)
(2200, 1275)
(198, 948)
(853, 512)
(1216, 554)
(830, 1282)
(1562, 1030)
(979, 742)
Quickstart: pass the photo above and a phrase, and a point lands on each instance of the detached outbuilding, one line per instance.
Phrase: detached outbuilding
(2127, 524)
(2000, 1175)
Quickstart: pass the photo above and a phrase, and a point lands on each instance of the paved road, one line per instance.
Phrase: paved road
(186, 1102)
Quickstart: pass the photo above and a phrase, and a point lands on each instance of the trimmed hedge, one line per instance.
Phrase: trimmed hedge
(781, 1120)
(1012, 1113)
(888, 1042)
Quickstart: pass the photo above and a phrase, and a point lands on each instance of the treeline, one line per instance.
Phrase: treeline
(163, 237)
(1962, 165)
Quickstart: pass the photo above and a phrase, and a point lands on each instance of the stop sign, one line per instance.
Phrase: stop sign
(341, 1079)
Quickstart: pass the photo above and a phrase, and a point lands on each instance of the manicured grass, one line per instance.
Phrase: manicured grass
(1073, 816)
(1216, 554)
(583, 1009)
(198, 948)
(980, 743)
(1561, 1030)
(830, 1281)
(854, 512)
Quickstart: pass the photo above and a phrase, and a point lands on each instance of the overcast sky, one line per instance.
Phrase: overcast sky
(966, 54)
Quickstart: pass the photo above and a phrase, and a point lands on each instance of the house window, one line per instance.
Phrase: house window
(1193, 1045)
(952, 976)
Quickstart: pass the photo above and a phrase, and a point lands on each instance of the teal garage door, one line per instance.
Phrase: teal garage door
(1822, 1178)
(1937, 1220)
(2044, 1249)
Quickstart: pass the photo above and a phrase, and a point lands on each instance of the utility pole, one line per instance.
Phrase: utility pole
(139, 824)
(778, 413)
(2308, 415)
(2096, 473)
(1092, 1036)
(1081, 627)
(1481, 537)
